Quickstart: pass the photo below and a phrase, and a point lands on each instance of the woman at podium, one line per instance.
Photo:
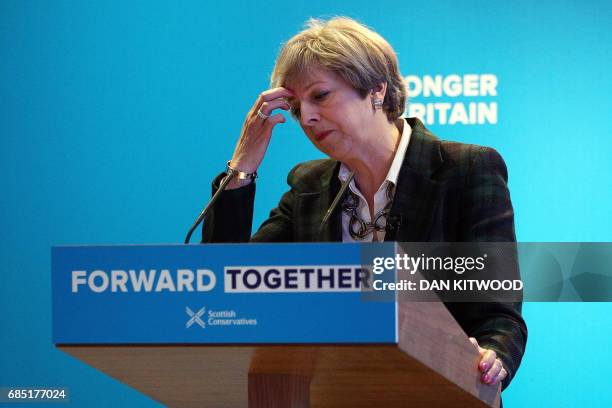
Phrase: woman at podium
(387, 178)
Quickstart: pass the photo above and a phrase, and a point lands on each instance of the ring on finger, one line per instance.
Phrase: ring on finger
(262, 115)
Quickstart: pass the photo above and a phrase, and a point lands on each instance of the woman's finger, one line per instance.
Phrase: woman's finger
(273, 121)
(500, 377)
(487, 360)
(270, 95)
(490, 375)
(267, 107)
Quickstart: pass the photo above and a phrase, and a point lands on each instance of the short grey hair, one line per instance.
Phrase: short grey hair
(359, 55)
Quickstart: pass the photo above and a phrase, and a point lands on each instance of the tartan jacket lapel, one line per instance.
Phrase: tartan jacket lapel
(416, 192)
(311, 206)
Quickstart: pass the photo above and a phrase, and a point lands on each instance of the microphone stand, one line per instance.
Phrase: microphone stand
(334, 203)
(206, 209)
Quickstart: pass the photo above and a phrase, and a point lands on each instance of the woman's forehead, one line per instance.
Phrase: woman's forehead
(303, 81)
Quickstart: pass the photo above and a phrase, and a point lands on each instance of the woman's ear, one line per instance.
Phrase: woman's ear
(379, 91)
(377, 96)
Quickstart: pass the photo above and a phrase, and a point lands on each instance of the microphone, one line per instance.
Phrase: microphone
(335, 203)
(224, 182)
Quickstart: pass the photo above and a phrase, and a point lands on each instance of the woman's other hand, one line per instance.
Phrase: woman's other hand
(491, 367)
(257, 131)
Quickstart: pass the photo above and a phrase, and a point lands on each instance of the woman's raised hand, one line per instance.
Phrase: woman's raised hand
(257, 131)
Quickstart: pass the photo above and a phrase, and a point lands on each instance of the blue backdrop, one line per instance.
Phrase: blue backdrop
(114, 117)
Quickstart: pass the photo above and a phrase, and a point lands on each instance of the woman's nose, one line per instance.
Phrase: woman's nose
(309, 114)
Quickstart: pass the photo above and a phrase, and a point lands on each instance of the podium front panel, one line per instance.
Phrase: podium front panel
(217, 294)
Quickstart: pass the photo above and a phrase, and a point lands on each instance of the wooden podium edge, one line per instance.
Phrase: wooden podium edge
(276, 375)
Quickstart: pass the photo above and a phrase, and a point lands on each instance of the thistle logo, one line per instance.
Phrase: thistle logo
(195, 317)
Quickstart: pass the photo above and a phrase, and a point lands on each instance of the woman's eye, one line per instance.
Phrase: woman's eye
(321, 95)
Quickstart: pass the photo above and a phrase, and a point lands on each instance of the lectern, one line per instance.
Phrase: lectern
(259, 325)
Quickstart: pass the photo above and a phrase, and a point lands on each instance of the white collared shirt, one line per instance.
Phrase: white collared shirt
(380, 197)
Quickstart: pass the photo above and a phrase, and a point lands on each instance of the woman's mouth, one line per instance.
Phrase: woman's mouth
(322, 135)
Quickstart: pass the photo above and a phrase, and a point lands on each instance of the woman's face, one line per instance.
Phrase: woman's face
(331, 112)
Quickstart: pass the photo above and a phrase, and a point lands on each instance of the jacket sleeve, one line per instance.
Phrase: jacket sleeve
(489, 217)
(231, 218)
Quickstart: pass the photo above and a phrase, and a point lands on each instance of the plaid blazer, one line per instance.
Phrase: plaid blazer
(446, 192)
